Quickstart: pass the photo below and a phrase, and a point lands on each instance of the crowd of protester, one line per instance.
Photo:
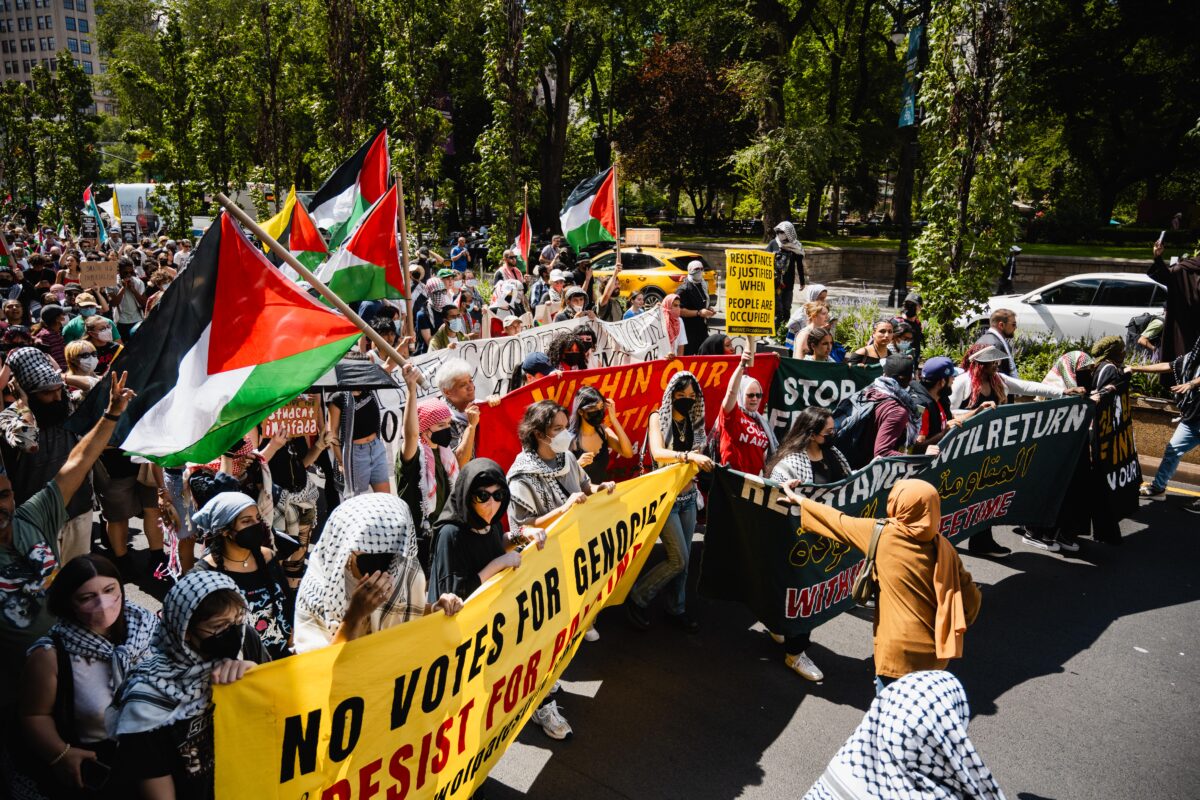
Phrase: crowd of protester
(286, 545)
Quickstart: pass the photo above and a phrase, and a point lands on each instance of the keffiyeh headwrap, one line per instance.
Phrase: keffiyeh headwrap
(785, 234)
(173, 682)
(369, 523)
(670, 320)
(911, 745)
(431, 412)
(1065, 372)
(696, 417)
(77, 640)
(34, 370)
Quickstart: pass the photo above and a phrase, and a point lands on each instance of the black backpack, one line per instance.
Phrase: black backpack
(1133, 330)
(854, 428)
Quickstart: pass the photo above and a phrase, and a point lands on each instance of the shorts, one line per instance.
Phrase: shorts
(122, 499)
(368, 465)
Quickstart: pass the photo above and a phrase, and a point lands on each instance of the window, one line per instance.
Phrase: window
(87, 67)
(1073, 293)
(49, 22)
(83, 25)
(1136, 294)
(81, 5)
(40, 23)
(69, 5)
(41, 42)
(69, 22)
(85, 46)
(72, 45)
(22, 5)
(52, 45)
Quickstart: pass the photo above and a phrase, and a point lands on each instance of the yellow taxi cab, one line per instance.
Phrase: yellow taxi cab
(655, 271)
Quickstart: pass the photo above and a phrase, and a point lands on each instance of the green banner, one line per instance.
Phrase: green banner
(800, 384)
(1008, 466)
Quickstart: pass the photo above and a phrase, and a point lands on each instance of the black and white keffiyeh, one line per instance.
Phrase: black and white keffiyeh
(140, 626)
(542, 478)
(785, 235)
(798, 466)
(911, 745)
(173, 682)
(696, 417)
(369, 523)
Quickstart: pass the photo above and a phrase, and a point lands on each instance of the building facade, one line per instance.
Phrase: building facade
(35, 32)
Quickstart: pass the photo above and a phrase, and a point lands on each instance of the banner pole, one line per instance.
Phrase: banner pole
(616, 201)
(289, 259)
(409, 328)
(524, 216)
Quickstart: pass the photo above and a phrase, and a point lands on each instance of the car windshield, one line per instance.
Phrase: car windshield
(683, 261)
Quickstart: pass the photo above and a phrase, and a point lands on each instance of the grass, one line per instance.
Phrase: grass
(1034, 248)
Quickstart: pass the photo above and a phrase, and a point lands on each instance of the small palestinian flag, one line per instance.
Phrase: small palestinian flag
(6, 259)
(293, 228)
(367, 267)
(231, 341)
(590, 213)
(352, 188)
(523, 242)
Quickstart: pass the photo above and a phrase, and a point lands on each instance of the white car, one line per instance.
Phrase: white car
(1086, 306)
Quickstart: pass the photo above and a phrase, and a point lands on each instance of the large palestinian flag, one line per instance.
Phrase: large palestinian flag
(293, 228)
(523, 242)
(367, 267)
(590, 213)
(352, 188)
(231, 341)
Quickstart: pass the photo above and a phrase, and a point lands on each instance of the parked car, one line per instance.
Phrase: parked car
(656, 271)
(1086, 306)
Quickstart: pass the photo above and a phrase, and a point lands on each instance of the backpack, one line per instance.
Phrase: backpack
(1134, 328)
(854, 427)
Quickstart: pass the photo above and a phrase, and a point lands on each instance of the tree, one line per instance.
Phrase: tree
(966, 90)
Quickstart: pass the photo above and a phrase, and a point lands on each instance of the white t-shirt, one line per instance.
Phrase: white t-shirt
(128, 310)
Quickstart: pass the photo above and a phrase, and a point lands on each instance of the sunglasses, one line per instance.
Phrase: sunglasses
(753, 394)
(483, 495)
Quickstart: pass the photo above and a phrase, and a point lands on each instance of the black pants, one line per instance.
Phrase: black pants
(795, 645)
(982, 542)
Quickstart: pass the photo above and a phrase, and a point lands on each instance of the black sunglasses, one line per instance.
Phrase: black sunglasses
(483, 495)
(753, 394)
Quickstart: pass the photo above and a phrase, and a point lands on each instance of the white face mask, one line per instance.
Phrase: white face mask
(88, 363)
(696, 277)
(104, 334)
(561, 442)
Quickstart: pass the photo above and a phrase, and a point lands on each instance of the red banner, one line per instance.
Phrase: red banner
(637, 390)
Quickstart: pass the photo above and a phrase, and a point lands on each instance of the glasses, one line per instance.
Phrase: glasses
(483, 495)
(753, 394)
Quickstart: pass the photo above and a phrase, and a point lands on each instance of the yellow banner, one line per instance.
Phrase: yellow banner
(427, 708)
(750, 292)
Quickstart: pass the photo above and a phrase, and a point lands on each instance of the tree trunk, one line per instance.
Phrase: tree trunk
(558, 112)
(813, 217)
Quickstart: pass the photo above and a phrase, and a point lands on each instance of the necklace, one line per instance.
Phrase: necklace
(680, 430)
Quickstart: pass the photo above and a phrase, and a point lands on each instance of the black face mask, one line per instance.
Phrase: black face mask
(442, 438)
(944, 394)
(226, 644)
(50, 415)
(252, 537)
(574, 359)
(372, 562)
(683, 404)
(594, 418)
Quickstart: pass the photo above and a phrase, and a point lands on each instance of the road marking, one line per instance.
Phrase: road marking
(1172, 489)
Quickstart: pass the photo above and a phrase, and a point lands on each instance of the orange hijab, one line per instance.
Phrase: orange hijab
(915, 508)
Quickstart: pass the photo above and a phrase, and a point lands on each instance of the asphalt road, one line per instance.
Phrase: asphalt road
(1083, 675)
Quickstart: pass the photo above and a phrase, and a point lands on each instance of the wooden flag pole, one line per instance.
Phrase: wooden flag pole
(409, 329)
(525, 216)
(616, 202)
(289, 259)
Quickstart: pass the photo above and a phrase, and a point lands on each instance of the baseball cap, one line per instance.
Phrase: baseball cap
(537, 364)
(913, 297)
(937, 368)
(85, 299)
(557, 275)
(446, 273)
(576, 291)
(896, 365)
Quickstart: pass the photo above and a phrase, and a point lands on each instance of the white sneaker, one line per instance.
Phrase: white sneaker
(552, 722)
(804, 666)
(591, 634)
(557, 685)
(776, 638)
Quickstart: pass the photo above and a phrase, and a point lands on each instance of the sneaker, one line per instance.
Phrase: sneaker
(1150, 491)
(684, 621)
(1193, 507)
(1041, 544)
(803, 665)
(591, 634)
(636, 616)
(776, 638)
(552, 722)
(1067, 543)
(554, 689)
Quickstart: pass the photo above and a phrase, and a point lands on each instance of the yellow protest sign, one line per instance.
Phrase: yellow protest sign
(750, 292)
(427, 708)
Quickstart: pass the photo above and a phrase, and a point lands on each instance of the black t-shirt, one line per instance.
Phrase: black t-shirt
(287, 466)
(458, 557)
(366, 414)
(827, 470)
(408, 485)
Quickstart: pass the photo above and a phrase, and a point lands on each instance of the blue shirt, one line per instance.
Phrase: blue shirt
(458, 258)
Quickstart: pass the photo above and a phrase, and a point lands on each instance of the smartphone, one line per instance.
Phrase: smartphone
(1162, 236)
(94, 774)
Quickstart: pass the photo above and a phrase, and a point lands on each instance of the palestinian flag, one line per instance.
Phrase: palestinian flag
(293, 228)
(368, 266)
(231, 341)
(352, 189)
(590, 213)
(523, 242)
(6, 259)
(90, 207)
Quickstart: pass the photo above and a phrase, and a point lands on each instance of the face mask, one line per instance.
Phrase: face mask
(594, 418)
(226, 644)
(50, 415)
(458, 326)
(100, 612)
(87, 311)
(441, 438)
(574, 359)
(104, 334)
(472, 282)
(88, 363)
(372, 562)
(683, 404)
(458, 285)
(696, 277)
(903, 347)
(252, 537)
(561, 442)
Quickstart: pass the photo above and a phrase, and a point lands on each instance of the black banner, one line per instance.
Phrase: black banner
(1115, 464)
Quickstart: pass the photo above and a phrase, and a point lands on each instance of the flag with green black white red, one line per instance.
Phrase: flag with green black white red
(523, 242)
(367, 267)
(231, 341)
(294, 228)
(352, 188)
(6, 259)
(590, 213)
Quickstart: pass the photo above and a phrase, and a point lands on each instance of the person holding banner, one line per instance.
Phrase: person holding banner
(745, 440)
(675, 434)
(592, 441)
(427, 467)
(1185, 370)
(454, 379)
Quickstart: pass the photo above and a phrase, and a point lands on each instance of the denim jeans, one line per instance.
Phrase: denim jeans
(672, 573)
(1186, 437)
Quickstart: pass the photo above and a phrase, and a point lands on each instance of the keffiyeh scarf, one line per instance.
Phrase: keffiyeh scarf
(369, 523)
(911, 745)
(140, 625)
(795, 466)
(892, 388)
(1065, 372)
(542, 478)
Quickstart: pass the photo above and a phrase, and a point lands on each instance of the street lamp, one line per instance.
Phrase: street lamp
(909, 146)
